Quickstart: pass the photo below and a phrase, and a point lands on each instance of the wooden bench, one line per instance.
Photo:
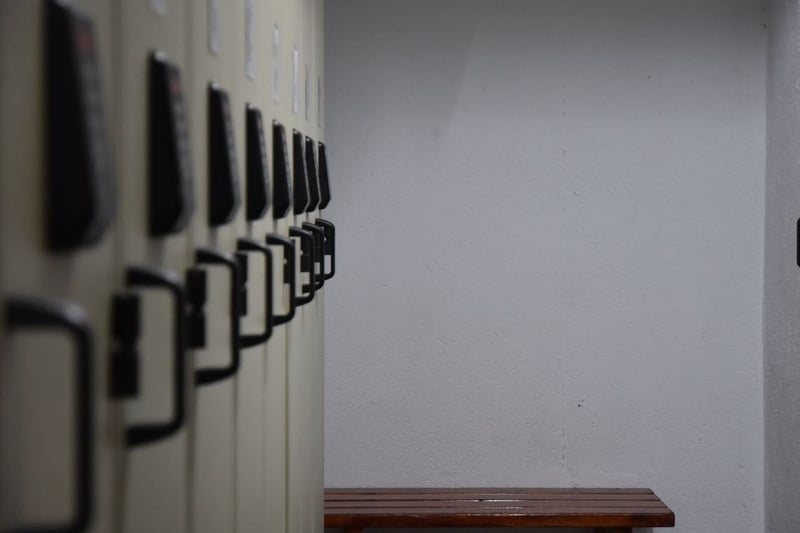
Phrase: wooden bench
(605, 510)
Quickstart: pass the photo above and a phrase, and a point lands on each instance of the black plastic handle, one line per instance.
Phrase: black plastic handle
(319, 253)
(204, 376)
(23, 312)
(330, 243)
(289, 274)
(145, 277)
(306, 263)
(248, 245)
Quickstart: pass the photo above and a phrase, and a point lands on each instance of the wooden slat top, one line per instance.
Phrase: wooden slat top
(495, 507)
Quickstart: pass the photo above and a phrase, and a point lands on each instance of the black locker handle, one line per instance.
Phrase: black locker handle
(248, 245)
(330, 243)
(319, 253)
(205, 376)
(139, 277)
(306, 263)
(289, 274)
(32, 313)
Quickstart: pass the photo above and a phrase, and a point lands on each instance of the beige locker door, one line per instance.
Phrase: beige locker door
(153, 476)
(318, 364)
(276, 438)
(298, 510)
(39, 380)
(303, 345)
(216, 47)
(253, 114)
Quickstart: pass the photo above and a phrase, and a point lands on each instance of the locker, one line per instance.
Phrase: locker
(305, 415)
(279, 354)
(156, 205)
(217, 111)
(57, 447)
(254, 511)
(161, 286)
(316, 130)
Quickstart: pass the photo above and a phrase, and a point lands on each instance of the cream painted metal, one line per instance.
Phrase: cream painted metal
(298, 501)
(305, 342)
(37, 377)
(249, 456)
(276, 371)
(251, 43)
(317, 389)
(216, 47)
(153, 478)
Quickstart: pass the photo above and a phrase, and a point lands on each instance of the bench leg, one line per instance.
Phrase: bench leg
(613, 530)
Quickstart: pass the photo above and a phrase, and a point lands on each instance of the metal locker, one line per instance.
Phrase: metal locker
(317, 365)
(154, 285)
(305, 334)
(216, 48)
(298, 504)
(57, 444)
(276, 438)
(254, 512)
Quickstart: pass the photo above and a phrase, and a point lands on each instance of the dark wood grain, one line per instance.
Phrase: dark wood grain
(605, 509)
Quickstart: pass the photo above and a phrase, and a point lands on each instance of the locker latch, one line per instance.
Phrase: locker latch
(79, 170)
(324, 183)
(171, 196)
(196, 296)
(301, 198)
(311, 172)
(223, 173)
(281, 174)
(241, 259)
(257, 167)
(125, 329)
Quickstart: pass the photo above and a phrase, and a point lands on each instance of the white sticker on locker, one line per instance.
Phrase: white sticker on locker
(276, 63)
(295, 80)
(307, 99)
(319, 101)
(213, 26)
(249, 39)
(159, 6)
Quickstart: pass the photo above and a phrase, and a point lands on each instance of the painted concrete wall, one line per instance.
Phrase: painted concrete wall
(551, 220)
(782, 276)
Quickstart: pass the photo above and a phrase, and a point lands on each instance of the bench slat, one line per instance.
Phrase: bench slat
(485, 496)
(359, 508)
(481, 506)
(483, 490)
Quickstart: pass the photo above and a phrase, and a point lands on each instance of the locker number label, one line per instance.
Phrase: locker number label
(295, 80)
(213, 26)
(276, 63)
(249, 39)
(307, 99)
(159, 6)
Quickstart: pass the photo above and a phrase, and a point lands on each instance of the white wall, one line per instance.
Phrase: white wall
(550, 268)
(782, 277)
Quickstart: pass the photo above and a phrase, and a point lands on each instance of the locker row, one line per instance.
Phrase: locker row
(163, 262)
